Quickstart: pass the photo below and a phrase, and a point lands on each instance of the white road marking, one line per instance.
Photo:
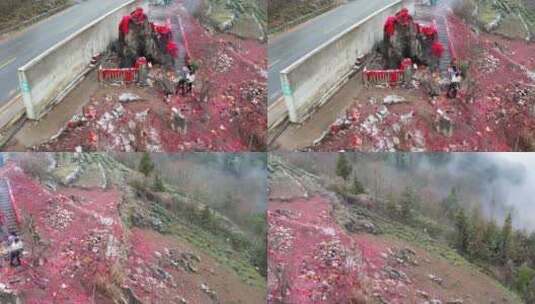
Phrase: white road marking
(6, 63)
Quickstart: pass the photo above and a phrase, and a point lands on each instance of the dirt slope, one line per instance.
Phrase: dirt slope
(313, 258)
(87, 253)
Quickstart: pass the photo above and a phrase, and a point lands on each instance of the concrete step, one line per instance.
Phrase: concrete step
(443, 38)
(6, 208)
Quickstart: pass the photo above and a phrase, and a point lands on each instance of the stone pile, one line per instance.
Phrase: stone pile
(331, 253)
(396, 274)
(361, 225)
(186, 260)
(253, 91)
(403, 256)
(489, 64)
(393, 99)
(223, 62)
(444, 123)
(93, 241)
(59, 218)
(281, 238)
(211, 293)
(435, 279)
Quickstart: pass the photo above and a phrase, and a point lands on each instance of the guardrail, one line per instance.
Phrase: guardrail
(309, 82)
(384, 77)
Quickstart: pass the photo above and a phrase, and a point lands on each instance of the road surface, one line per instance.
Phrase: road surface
(19, 48)
(286, 48)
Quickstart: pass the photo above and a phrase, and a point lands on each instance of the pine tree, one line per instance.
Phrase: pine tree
(462, 237)
(476, 229)
(490, 241)
(391, 206)
(407, 204)
(357, 187)
(531, 248)
(228, 206)
(529, 295)
(146, 165)
(451, 203)
(506, 238)
(343, 168)
(206, 217)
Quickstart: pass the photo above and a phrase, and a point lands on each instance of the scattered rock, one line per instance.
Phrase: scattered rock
(178, 121)
(405, 256)
(395, 274)
(444, 124)
(223, 62)
(435, 279)
(59, 218)
(355, 226)
(8, 296)
(129, 97)
(211, 293)
(422, 294)
(393, 99)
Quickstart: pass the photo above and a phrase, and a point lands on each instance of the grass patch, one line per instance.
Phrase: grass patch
(416, 236)
(487, 12)
(205, 230)
(13, 13)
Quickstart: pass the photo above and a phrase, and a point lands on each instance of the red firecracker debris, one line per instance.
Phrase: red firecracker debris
(390, 26)
(437, 48)
(172, 48)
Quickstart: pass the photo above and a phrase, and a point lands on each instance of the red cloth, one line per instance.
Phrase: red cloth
(172, 48)
(403, 17)
(390, 26)
(406, 63)
(138, 15)
(437, 49)
(429, 31)
(92, 137)
(162, 29)
(393, 77)
(140, 62)
(124, 25)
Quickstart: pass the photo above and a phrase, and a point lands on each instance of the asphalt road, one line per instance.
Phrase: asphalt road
(19, 48)
(286, 48)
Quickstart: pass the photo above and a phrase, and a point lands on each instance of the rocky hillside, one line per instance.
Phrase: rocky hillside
(244, 18)
(509, 18)
(328, 245)
(97, 231)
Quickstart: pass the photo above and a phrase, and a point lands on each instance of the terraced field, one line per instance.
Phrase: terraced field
(524, 8)
(246, 18)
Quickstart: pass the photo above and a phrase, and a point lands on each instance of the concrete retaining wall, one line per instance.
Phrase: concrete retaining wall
(313, 79)
(50, 74)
